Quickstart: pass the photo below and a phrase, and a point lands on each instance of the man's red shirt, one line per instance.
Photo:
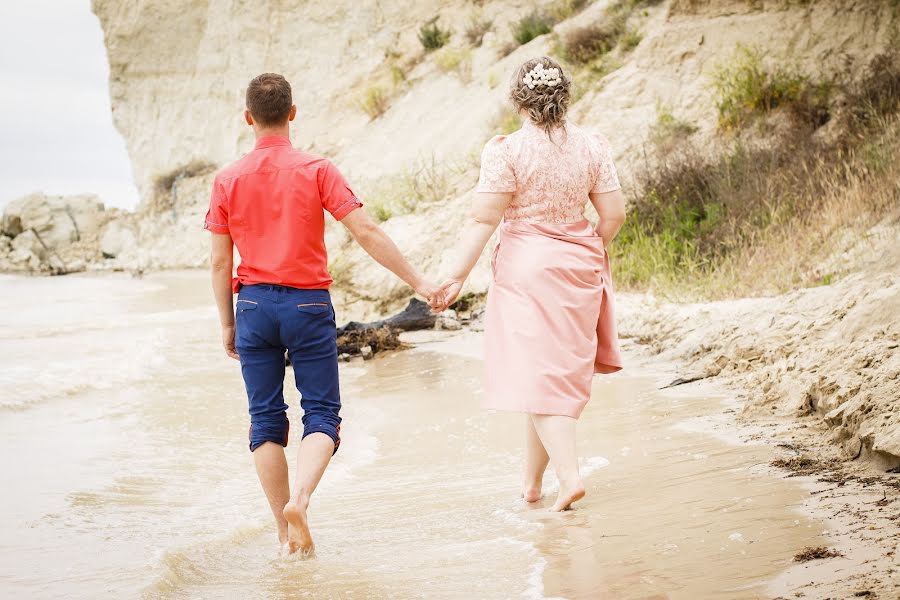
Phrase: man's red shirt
(271, 202)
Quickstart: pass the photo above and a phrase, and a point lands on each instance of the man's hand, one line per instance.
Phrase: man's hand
(228, 341)
(447, 294)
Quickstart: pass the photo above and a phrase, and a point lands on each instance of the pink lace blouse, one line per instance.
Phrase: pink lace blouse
(550, 182)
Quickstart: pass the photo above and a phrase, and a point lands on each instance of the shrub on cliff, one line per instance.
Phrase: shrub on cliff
(585, 44)
(432, 36)
(532, 25)
(736, 216)
(374, 101)
(478, 26)
(746, 88)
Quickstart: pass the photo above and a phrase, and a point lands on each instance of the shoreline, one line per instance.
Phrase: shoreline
(845, 498)
(857, 506)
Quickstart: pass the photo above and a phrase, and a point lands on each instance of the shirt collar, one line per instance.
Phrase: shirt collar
(267, 141)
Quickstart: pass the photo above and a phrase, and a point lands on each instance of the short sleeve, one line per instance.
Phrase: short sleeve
(337, 197)
(497, 173)
(607, 178)
(217, 215)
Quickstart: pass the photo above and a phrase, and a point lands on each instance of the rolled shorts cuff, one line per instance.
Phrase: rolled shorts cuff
(333, 432)
(262, 432)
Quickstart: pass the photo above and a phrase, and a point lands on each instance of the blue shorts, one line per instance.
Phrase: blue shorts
(269, 321)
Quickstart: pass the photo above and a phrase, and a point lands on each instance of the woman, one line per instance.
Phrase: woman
(549, 324)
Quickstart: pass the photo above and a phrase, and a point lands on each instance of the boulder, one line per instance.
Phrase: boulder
(5, 244)
(116, 239)
(57, 220)
(27, 251)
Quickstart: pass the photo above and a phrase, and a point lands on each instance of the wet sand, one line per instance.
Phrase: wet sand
(123, 433)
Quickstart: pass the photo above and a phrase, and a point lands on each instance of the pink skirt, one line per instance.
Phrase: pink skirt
(549, 322)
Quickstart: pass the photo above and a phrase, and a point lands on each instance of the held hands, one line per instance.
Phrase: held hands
(432, 293)
(447, 295)
(439, 297)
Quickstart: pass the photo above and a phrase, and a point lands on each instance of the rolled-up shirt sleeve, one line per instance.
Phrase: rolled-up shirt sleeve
(337, 197)
(217, 215)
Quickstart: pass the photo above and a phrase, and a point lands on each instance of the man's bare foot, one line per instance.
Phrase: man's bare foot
(532, 494)
(299, 539)
(567, 495)
(282, 537)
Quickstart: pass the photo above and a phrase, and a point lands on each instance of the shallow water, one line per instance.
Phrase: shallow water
(123, 438)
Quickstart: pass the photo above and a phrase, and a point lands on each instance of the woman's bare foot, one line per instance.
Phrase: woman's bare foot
(567, 495)
(532, 493)
(299, 538)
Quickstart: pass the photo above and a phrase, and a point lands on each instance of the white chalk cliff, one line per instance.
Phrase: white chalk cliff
(178, 70)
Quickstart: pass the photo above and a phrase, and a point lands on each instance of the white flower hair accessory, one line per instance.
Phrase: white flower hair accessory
(539, 76)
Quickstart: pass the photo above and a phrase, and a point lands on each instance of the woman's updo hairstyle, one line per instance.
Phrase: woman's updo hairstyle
(541, 88)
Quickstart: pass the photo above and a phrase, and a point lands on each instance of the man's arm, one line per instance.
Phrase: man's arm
(379, 246)
(221, 262)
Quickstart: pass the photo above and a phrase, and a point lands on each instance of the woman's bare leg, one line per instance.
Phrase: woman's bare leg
(536, 460)
(558, 436)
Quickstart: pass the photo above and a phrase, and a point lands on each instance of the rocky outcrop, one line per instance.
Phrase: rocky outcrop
(51, 234)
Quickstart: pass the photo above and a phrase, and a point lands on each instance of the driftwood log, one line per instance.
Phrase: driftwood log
(354, 337)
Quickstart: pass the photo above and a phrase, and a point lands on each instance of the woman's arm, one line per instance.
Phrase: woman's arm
(487, 212)
(610, 207)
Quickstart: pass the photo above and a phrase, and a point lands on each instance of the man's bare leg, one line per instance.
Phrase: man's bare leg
(272, 469)
(312, 459)
(536, 461)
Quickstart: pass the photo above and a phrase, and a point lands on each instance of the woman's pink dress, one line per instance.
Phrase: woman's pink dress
(549, 323)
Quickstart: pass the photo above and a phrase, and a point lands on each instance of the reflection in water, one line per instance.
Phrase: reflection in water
(124, 442)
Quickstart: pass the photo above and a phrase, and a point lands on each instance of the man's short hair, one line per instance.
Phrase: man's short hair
(269, 99)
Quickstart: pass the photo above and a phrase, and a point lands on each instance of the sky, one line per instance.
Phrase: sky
(56, 130)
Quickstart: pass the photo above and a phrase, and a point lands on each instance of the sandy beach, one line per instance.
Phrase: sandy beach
(138, 482)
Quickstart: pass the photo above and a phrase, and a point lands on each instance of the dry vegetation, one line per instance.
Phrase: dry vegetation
(788, 174)
(478, 26)
(594, 50)
(540, 22)
(427, 181)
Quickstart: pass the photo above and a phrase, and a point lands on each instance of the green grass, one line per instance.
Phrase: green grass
(668, 129)
(541, 22)
(747, 88)
(532, 25)
(725, 217)
(432, 36)
(630, 40)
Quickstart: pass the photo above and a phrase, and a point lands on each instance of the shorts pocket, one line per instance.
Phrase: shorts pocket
(314, 308)
(245, 305)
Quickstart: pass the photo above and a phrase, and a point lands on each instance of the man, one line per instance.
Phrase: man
(271, 203)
